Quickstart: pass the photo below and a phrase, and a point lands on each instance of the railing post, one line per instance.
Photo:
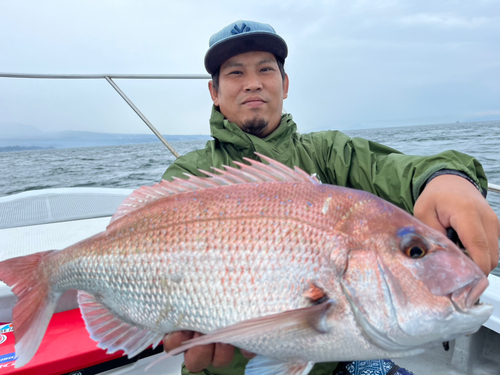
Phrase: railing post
(143, 118)
(494, 188)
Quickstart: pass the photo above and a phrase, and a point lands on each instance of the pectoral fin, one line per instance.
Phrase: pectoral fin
(305, 318)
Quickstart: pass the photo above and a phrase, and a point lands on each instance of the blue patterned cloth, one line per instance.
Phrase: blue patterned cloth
(374, 367)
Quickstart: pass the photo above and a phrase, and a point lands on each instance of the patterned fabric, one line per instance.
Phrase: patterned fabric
(374, 367)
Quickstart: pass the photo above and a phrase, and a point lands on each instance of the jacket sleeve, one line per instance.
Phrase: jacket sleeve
(385, 172)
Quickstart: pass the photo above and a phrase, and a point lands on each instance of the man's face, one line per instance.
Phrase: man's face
(251, 92)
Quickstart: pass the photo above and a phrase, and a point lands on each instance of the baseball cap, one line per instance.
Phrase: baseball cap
(240, 37)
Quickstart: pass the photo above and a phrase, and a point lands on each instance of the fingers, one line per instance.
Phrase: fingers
(479, 230)
(496, 258)
(200, 357)
(492, 228)
(175, 339)
(195, 359)
(451, 201)
(474, 238)
(223, 355)
(428, 216)
(247, 354)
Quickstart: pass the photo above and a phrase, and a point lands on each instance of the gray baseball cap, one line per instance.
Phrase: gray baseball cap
(240, 37)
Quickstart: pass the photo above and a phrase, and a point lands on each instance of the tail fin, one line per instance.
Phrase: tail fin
(36, 302)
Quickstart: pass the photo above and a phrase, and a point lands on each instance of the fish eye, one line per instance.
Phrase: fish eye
(415, 252)
(414, 246)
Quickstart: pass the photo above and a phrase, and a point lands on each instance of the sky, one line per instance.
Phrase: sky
(352, 63)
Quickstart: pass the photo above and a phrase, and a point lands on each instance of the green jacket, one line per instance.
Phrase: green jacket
(335, 159)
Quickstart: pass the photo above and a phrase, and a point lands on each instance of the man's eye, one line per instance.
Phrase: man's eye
(267, 69)
(235, 72)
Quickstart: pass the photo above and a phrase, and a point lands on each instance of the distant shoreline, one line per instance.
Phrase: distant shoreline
(24, 148)
(82, 139)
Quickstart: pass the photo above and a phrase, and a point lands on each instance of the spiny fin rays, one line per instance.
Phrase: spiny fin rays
(256, 172)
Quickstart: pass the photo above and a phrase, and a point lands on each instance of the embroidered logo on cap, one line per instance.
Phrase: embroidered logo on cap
(237, 30)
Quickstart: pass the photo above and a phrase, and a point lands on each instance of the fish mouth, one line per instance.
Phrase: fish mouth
(466, 298)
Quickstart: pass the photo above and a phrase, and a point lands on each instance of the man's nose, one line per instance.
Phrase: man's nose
(253, 82)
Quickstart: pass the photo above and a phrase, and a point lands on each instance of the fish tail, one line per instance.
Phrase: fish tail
(36, 301)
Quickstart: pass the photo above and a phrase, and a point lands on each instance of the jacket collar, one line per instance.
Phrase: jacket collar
(247, 144)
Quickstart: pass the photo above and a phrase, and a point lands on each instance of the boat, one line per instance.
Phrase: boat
(40, 220)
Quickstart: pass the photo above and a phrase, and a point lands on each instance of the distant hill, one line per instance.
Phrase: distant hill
(20, 135)
(9, 130)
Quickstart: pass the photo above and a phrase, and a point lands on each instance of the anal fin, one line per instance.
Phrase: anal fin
(110, 332)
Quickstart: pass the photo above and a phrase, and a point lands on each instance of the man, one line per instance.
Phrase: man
(248, 87)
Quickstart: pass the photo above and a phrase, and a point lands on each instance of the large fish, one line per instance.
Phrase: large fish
(265, 258)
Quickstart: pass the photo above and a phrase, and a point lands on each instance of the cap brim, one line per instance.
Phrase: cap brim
(245, 42)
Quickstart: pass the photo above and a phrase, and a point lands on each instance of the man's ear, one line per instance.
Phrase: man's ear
(213, 93)
(285, 86)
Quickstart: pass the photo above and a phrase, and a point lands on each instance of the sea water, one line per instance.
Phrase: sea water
(131, 166)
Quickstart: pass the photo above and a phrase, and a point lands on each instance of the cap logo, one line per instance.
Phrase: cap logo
(237, 30)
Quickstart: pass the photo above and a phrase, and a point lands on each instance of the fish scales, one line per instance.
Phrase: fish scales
(264, 258)
(237, 253)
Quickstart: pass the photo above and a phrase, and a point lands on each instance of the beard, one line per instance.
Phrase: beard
(255, 126)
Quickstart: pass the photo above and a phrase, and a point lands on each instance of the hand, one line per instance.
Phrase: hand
(452, 201)
(200, 357)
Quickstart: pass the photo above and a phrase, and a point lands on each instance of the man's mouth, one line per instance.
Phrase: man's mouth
(253, 102)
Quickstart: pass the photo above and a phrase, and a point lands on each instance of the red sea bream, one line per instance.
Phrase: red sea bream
(265, 258)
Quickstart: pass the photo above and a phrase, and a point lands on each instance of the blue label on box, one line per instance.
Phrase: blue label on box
(7, 357)
(6, 328)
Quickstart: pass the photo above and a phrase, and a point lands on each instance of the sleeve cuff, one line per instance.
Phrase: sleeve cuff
(456, 173)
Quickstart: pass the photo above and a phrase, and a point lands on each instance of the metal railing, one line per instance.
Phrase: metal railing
(109, 78)
(494, 188)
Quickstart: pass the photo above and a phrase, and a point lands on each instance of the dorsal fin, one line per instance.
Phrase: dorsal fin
(256, 172)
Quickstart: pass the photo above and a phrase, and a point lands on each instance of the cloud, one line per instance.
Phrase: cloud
(355, 61)
(443, 21)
